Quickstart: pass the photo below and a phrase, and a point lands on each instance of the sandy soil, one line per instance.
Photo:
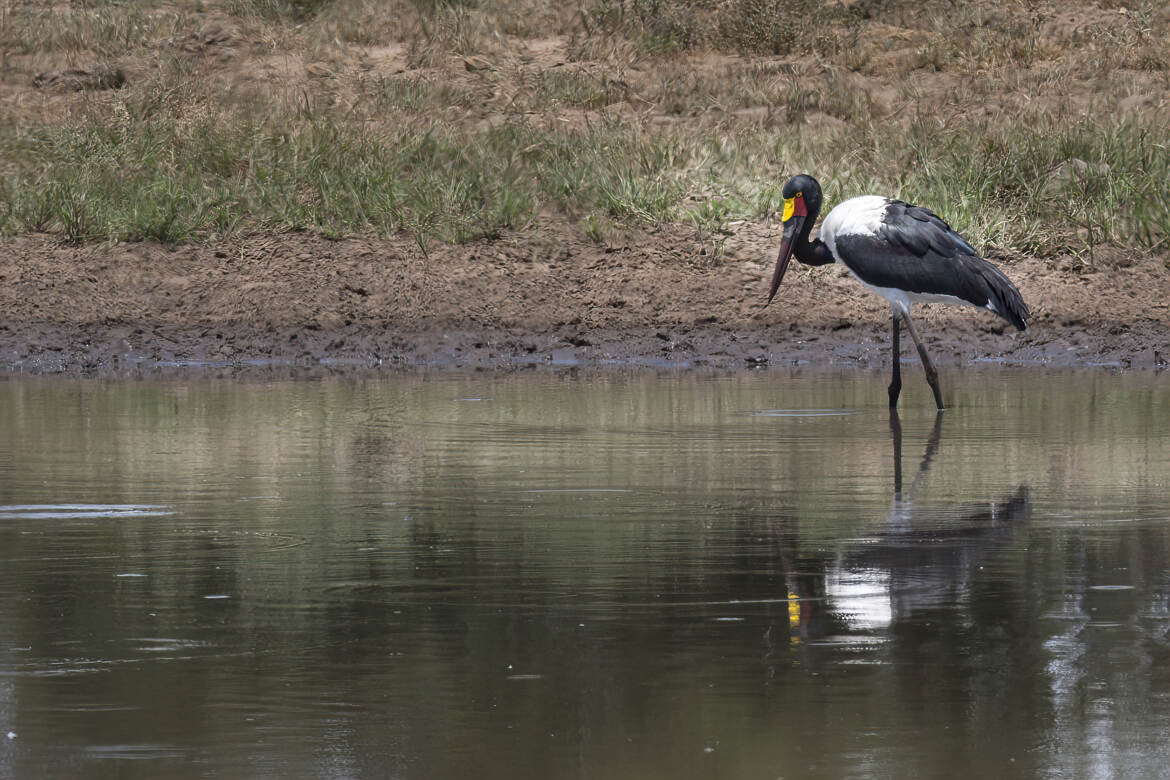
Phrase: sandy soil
(306, 303)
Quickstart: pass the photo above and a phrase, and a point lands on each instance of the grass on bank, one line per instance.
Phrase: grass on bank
(450, 159)
(154, 177)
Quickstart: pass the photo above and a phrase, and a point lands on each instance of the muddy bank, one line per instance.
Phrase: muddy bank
(309, 304)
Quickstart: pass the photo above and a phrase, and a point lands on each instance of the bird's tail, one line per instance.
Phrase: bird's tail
(1002, 296)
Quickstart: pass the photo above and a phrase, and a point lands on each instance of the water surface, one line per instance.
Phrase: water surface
(603, 576)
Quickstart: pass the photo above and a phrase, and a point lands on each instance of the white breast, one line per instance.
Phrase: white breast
(861, 215)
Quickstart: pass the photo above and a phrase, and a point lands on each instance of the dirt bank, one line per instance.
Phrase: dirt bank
(306, 302)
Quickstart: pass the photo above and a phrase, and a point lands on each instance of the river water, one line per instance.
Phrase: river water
(586, 576)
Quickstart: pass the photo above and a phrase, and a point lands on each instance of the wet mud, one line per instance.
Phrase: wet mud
(303, 304)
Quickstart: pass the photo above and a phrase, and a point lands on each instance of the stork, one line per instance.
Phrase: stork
(904, 253)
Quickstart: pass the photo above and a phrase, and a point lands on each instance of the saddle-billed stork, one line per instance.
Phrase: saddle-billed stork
(904, 253)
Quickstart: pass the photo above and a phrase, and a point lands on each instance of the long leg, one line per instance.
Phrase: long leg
(927, 366)
(896, 435)
(896, 354)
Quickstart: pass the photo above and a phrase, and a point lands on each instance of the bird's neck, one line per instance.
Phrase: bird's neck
(814, 252)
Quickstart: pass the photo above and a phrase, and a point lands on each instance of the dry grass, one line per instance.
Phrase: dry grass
(1036, 127)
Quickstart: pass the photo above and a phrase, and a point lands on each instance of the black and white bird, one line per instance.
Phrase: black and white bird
(904, 253)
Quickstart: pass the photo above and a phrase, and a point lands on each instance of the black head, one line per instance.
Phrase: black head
(802, 203)
(807, 189)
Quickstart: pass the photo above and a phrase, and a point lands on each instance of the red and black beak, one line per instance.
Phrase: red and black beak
(792, 227)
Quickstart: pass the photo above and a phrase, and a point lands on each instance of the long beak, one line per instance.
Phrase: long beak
(791, 231)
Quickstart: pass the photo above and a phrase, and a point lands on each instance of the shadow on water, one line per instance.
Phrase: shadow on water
(923, 557)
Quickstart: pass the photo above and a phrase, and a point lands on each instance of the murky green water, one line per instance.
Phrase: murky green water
(592, 577)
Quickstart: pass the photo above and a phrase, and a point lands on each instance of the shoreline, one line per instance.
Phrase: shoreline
(126, 352)
(301, 302)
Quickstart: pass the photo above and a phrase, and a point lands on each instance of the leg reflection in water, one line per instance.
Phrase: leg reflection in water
(926, 555)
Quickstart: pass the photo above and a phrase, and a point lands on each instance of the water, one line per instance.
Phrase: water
(614, 576)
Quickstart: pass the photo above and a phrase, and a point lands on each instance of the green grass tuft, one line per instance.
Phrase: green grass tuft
(154, 178)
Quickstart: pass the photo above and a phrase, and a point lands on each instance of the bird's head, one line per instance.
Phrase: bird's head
(802, 202)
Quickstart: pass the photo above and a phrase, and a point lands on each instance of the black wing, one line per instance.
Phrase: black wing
(914, 250)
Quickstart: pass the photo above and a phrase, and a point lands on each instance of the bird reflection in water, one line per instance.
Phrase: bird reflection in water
(924, 557)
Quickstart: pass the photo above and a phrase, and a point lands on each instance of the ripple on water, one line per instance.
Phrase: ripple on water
(245, 540)
(801, 412)
(578, 490)
(122, 652)
(136, 752)
(81, 511)
(163, 644)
